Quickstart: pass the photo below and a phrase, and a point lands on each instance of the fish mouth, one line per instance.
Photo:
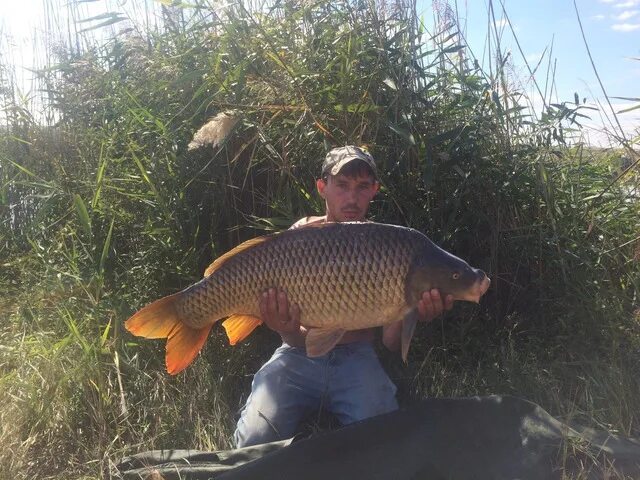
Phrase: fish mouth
(478, 289)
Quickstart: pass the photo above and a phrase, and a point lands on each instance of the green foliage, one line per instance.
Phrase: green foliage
(106, 209)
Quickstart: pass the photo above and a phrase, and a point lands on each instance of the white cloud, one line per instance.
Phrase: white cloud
(628, 4)
(501, 23)
(598, 130)
(626, 15)
(625, 27)
(533, 58)
(620, 20)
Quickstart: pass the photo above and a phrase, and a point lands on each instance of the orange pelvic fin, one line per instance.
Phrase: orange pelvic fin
(409, 323)
(239, 327)
(183, 346)
(156, 320)
(321, 340)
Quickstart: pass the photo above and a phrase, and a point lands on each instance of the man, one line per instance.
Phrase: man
(349, 380)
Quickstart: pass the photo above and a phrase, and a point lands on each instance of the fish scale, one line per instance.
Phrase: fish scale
(351, 269)
(343, 276)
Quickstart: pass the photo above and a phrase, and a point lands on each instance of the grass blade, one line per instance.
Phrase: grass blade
(83, 214)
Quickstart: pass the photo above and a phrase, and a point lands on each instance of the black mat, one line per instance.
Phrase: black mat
(467, 438)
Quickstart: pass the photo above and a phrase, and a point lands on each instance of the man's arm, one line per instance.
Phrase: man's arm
(430, 306)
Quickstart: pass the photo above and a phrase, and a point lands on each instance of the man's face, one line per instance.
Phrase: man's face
(347, 198)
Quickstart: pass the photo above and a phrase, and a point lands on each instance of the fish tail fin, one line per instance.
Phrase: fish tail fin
(156, 320)
(160, 319)
(183, 345)
(239, 327)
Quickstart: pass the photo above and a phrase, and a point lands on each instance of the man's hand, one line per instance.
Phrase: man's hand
(277, 314)
(432, 306)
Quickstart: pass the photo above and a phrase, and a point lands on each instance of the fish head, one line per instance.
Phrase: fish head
(439, 269)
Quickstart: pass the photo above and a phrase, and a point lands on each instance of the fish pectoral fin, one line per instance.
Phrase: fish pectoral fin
(183, 345)
(321, 340)
(239, 327)
(408, 327)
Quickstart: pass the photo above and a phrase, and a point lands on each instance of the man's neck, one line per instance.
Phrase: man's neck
(309, 221)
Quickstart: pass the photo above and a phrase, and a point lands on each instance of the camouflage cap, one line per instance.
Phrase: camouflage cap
(340, 156)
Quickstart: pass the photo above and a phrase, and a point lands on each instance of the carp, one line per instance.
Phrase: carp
(343, 276)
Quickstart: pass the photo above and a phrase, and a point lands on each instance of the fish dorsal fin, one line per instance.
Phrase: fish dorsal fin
(218, 262)
(321, 340)
(239, 327)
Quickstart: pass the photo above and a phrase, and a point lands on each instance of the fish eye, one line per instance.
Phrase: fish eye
(455, 275)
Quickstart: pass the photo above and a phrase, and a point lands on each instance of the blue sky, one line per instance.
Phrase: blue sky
(612, 28)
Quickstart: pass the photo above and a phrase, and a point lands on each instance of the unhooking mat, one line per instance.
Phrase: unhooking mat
(454, 439)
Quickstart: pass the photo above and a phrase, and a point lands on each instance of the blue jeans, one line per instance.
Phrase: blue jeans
(348, 381)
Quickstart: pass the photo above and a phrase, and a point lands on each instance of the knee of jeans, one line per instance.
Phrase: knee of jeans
(254, 431)
(264, 418)
(242, 438)
(362, 411)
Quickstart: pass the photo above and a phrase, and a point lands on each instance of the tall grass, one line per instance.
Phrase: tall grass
(104, 208)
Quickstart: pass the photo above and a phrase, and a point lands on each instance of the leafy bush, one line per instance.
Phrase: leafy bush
(106, 208)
